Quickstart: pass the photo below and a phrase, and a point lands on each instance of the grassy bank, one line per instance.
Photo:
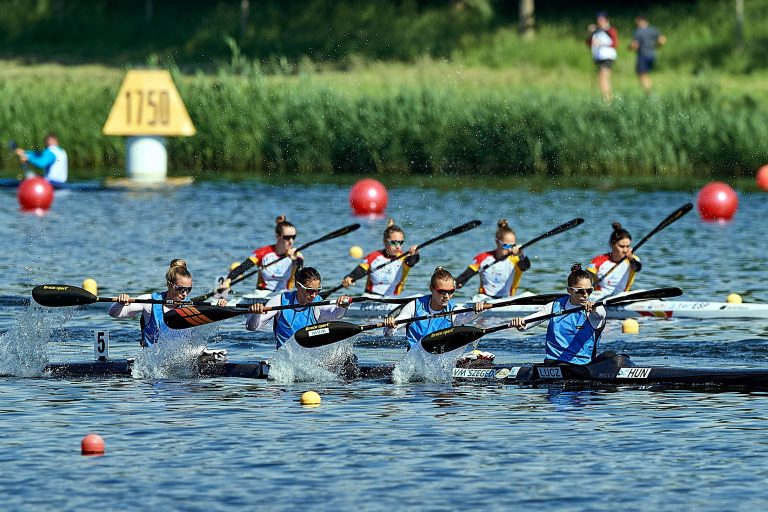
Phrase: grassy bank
(427, 120)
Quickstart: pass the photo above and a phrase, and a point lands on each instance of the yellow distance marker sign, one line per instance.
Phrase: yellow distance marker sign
(148, 103)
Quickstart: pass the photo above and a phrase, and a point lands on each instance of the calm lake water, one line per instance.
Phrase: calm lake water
(215, 444)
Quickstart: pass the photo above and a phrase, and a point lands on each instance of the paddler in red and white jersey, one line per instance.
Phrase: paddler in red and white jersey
(390, 279)
(278, 276)
(614, 272)
(501, 268)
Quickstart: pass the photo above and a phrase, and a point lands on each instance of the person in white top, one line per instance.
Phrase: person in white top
(285, 322)
(614, 272)
(153, 328)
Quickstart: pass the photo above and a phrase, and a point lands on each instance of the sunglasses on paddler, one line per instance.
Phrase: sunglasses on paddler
(445, 291)
(504, 246)
(581, 291)
(395, 243)
(179, 288)
(288, 237)
(308, 289)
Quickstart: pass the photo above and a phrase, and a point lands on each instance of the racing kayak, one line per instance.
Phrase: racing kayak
(607, 370)
(702, 310)
(614, 370)
(250, 370)
(663, 308)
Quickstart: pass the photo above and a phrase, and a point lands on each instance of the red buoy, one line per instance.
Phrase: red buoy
(35, 193)
(717, 202)
(92, 444)
(762, 177)
(368, 197)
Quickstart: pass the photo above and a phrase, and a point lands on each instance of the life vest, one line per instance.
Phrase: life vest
(57, 172)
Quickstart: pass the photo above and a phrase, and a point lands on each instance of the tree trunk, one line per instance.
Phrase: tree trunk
(740, 23)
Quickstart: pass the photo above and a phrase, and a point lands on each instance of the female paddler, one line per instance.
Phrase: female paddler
(501, 268)
(286, 322)
(605, 277)
(390, 279)
(571, 338)
(278, 276)
(442, 286)
(153, 329)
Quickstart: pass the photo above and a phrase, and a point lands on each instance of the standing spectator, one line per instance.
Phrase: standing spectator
(645, 40)
(603, 40)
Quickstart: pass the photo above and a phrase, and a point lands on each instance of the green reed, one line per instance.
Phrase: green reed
(254, 126)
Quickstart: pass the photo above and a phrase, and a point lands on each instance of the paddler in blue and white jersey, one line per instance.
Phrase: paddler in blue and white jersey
(153, 329)
(571, 338)
(389, 280)
(285, 322)
(52, 160)
(500, 269)
(442, 286)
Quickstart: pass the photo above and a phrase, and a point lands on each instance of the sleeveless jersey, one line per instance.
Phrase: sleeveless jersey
(571, 338)
(619, 280)
(152, 331)
(58, 170)
(417, 330)
(279, 276)
(288, 321)
(389, 280)
(499, 280)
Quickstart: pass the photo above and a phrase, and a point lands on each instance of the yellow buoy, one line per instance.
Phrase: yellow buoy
(733, 298)
(630, 326)
(356, 252)
(310, 398)
(90, 285)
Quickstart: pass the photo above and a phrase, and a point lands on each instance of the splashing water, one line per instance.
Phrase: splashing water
(24, 347)
(420, 365)
(294, 363)
(175, 356)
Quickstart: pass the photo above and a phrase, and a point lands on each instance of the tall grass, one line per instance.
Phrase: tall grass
(258, 126)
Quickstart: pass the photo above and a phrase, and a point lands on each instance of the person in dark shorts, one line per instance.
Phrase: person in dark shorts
(645, 40)
(603, 41)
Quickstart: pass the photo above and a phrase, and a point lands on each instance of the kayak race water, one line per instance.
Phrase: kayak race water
(370, 434)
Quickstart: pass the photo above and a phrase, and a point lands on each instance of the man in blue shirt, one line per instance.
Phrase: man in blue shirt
(52, 160)
(645, 40)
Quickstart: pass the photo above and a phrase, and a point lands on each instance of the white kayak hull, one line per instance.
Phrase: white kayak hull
(703, 310)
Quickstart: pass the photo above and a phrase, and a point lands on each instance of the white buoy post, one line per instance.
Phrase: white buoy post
(146, 158)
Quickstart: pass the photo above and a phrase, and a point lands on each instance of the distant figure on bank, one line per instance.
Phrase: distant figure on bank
(645, 40)
(52, 160)
(603, 41)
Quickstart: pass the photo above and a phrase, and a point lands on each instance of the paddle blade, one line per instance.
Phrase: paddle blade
(58, 295)
(446, 340)
(193, 316)
(320, 335)
(658, 293)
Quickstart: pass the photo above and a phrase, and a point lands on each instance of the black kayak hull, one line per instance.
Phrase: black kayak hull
(609, 372)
